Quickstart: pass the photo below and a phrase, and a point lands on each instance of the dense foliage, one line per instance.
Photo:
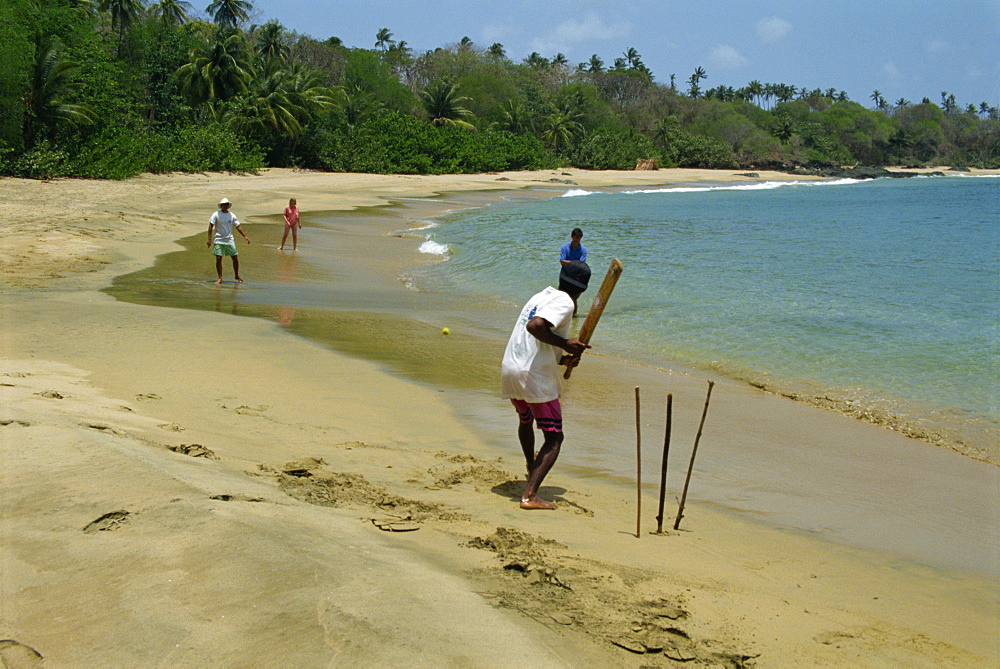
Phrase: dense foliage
(113, 88)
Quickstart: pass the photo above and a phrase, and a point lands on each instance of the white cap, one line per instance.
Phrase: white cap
(224, 201)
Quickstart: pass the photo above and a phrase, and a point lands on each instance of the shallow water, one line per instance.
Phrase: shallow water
(881, 296)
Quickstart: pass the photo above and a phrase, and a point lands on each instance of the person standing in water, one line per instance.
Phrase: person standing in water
(573, 249)
(223, 222)
(529, 373)
(291, 223)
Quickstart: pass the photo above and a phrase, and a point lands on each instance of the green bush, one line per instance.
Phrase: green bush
(397, 144)
(612, 149)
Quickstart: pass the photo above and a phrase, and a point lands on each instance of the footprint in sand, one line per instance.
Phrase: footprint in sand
(108, 522)
(51, 394)
(236, 498)
(10, 421)
(195, 451)
(148, 396)
(170, 427)
(16, 654)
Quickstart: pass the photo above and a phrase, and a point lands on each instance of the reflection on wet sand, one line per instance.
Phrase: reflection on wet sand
(286, 274)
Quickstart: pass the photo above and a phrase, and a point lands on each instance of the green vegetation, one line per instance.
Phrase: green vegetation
(113, 88)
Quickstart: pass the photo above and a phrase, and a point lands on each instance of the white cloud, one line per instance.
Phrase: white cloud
(772, 29)
(935, 46)
(890, 70)
(496, 33)
(726, 57)
(574, 31)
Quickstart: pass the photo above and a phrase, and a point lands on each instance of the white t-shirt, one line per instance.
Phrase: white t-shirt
(530, 368)
(224, 221)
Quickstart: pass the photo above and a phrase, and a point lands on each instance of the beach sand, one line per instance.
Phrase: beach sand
(191, 488)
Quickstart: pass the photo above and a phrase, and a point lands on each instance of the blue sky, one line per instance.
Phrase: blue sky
(904, 48)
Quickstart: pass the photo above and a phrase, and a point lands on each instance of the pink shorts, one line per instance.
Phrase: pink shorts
(547, 415)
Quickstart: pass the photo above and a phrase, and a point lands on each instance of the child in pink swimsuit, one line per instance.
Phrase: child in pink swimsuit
(291, 223)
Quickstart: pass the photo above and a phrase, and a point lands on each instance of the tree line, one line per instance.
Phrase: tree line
(114, 88)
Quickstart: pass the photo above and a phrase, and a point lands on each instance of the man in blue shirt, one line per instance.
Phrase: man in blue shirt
(573, 250)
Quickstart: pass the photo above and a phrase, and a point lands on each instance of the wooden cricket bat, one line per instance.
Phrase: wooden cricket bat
(597, 308)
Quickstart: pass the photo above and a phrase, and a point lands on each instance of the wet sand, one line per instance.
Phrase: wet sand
(190, 487)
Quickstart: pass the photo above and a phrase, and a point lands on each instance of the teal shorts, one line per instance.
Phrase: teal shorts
(224, 250)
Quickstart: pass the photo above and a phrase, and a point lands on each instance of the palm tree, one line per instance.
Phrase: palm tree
(497, 51)
(595, 64)
(784, 129)
(536, 60)
(172, 12)
(632, 56)
(269, 43)
(559, 128)
(281, 103)
(84, 7)
(383, 39)
(902, 102)
(123, 14)
(465, 44)
(217, 71)
(230, 13)
(559, 59)
(444, 104)
(515, 117)
(45, 102)
(756, 89)
(877, 98)
(947, 102)
(695, 90)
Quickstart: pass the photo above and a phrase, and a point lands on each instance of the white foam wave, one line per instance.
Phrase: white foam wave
(434, 248)
(426, 225)
(764, 185)
(577, 192)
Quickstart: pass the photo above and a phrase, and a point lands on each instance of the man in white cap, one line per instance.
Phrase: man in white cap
(529, 374)
(223, 242)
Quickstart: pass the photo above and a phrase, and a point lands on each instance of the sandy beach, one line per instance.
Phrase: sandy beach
(193, 488)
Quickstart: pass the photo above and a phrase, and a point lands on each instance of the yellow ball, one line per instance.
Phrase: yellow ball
(445, 331)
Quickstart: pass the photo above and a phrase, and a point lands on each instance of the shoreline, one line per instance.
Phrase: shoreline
(807, 602)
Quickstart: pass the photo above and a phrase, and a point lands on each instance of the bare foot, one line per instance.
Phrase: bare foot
(281, 248)
(536, 502)
(218, 281)
(239, 280)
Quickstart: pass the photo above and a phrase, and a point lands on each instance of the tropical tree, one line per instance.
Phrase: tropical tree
(595, 64)
(444, 105)
(216, 71)
(279, 104)
(694, 89)
(172, 12)
(230, 13)
(877, 98)
(515, 117)
(270, 44)
(632, 56)
(560, 128)
(46, 101)
(497, 51)
(123, 14)
(383, 39)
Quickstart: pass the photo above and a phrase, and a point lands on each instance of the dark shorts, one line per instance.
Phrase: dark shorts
(547, 415)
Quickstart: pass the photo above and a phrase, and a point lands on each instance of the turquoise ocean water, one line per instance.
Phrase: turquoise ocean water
(882, 296)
